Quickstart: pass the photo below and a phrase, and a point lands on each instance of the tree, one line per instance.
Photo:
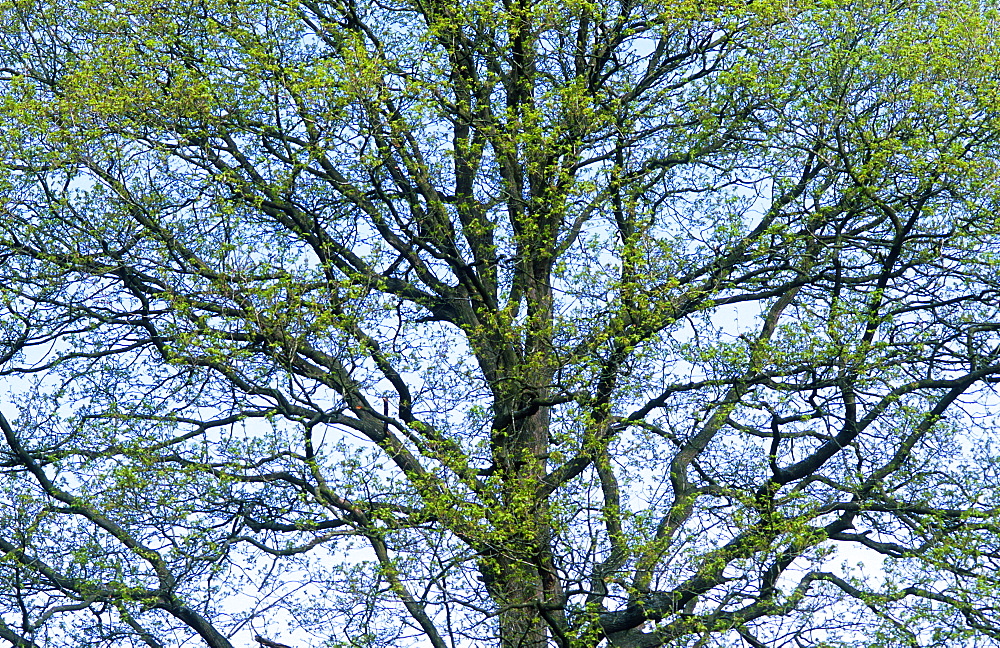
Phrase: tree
(520, 324)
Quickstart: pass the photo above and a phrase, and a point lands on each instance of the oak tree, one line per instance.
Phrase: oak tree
(513, 323)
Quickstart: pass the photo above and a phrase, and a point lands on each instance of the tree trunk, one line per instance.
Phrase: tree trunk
(521, 573)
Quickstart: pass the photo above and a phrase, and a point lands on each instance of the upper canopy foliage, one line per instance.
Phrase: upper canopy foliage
(453, 323)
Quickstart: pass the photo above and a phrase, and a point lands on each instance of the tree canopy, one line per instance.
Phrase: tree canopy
(515, 323)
